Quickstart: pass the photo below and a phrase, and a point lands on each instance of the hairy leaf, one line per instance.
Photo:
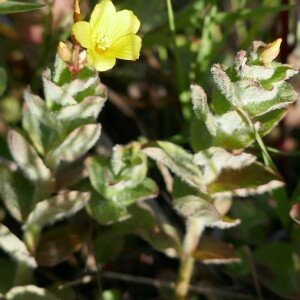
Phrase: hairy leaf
(27, 158)
(16, 193)
(106, 211)
(77, 143)
(40, 125)
(56, 96)
(13, 246)
(177, 160)
(193, 207)
(56, 208)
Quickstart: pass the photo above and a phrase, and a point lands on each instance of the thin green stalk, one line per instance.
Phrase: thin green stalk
(194, 231)
(184, 100)
(280, 194)
(206, 51)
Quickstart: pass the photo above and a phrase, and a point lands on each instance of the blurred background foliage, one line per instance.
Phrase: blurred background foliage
(150, 99)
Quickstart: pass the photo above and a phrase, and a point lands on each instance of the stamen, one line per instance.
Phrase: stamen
(103, 43)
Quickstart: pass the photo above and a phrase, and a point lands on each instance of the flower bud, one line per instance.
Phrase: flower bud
(64, 52)
(270, 52)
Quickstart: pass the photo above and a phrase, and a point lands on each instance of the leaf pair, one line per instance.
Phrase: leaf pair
(207, 180)
(118, 183)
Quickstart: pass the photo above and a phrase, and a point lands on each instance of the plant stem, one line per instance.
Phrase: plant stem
(279, 194)
(76, 61)
(183, 97)
(194, 230)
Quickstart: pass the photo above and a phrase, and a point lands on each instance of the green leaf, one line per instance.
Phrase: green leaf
(268, 120)
(14, 247)
(80, 89)
(235, 174)
(128, 165)
(150, 223)
(27, 158)
(29, 292)
(56, 208)
(39, 123)
(201, 138)
(98, 173)
(106, 211)
(223, 82)
(177, 160)
(255, 100)
(214, 160)
(199, 100)
(275, 268)
(253, 179)
(56, 96)
(193, 207)
(122, 180)
(77, 143)
(60, 73)
(144, 190)
(16, 193)
(10, 7)
(3, 78)
(79, 114)
(229, 130)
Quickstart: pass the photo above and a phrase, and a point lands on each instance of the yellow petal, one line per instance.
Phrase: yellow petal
(101, 17)
(82, 33)
(123, 23)
(128, 47)
(100, 62)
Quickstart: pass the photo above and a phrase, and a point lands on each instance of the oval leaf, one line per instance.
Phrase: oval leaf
(193, 207)
(13, 246)
(27, 158)
(57, 208)
(177, 160)
(77, 143)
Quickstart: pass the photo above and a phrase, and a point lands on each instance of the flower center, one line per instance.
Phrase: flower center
(103, 43)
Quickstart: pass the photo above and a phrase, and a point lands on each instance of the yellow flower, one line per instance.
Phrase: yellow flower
(108, 35)
(271, 51)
